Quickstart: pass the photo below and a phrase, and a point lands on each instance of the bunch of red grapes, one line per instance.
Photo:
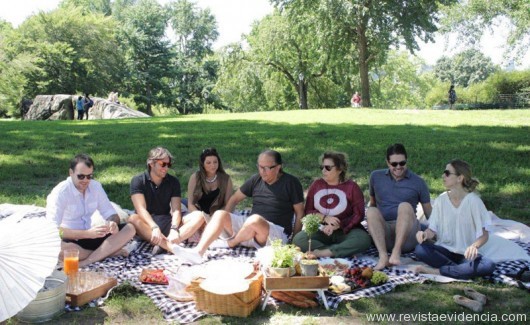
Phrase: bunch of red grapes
(355, 279)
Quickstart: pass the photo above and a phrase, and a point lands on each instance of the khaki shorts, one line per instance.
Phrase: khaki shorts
(410, 240)
(275, 231)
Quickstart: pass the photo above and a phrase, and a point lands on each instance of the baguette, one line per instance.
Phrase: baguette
(298, 296)
(280, 295)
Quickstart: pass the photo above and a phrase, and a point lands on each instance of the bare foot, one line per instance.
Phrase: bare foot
(395, 259)
(383, 262)
(426, 269)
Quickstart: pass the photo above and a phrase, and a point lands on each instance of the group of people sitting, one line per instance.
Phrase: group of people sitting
(451, 244)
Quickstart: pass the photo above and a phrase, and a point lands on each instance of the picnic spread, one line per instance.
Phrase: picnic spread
(147, 272)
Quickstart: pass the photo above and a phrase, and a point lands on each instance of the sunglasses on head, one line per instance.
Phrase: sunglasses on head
(208, 151)
(447, 173)
(163, 164)
(327, 167)
(395, 163)
(82, 176)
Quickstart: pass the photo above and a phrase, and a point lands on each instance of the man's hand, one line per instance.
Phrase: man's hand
(332, 221)
(174, 236)
(113, 228)
(420, 236)
(157, 237)
(98, 231)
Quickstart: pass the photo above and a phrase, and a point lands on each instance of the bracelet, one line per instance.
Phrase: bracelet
(155, 227)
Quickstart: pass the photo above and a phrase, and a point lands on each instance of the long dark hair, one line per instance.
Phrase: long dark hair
(201, 174)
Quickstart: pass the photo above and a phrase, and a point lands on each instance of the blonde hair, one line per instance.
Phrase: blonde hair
(158, 153)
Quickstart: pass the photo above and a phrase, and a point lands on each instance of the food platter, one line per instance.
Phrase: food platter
(153, 276)
(334, 266)
(356, 278)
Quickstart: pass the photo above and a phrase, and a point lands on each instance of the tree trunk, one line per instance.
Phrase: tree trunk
(363, 66)
(302, 94)
(148, 109)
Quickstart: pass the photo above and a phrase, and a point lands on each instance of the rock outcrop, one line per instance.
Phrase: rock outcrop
(62, 107)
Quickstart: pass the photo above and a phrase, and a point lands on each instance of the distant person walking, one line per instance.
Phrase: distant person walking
(452, 96)
(87, 104)
(79, 106)
(356, 100)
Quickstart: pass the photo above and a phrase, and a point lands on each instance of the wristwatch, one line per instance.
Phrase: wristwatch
(155, 227)
(174, 227)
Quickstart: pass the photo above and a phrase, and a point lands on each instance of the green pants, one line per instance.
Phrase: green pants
(339, 243)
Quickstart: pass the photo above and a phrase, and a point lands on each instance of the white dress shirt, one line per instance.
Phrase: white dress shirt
(68, 208)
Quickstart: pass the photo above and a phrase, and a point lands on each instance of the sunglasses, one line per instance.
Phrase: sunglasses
(163, 164)
(82, 176)
(395, 163)
(327, 167)
(265, 168)
(447, 173)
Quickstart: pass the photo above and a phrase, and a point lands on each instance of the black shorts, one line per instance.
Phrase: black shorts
(92, 243)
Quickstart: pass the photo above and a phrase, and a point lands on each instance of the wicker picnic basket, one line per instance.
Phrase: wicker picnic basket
(239, 304)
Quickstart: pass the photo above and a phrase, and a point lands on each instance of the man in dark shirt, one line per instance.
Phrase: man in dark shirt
(276, 197)
(156, 198)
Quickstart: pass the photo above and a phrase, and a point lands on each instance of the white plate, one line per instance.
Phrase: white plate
(231, 269)
(225, 287)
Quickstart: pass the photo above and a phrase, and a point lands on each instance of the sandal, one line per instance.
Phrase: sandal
(468, 303)
(475, 295)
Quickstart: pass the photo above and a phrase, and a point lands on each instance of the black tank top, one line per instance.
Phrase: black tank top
(207, 199)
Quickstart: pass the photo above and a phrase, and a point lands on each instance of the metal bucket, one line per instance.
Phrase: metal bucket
(49, 302)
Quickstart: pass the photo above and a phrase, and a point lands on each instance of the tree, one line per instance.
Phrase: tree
(148, 52)
(371, 27)
(292, 46)
(69, 51)
(400, 83)
(470, 19)
(465, 68)
(89, 6)
(195, 74)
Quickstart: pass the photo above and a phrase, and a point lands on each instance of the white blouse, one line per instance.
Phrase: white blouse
(458, 227)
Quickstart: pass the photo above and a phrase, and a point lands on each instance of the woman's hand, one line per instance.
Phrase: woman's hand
(471, 252)
(332, 221)
(328, 230)
(420, 237)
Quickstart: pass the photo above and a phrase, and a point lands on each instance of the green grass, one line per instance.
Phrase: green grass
(34, 157)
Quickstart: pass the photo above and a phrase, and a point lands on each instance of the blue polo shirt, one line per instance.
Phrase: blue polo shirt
(389, 193)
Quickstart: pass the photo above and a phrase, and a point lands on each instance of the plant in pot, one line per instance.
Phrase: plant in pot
(311, 223)
(283, 259)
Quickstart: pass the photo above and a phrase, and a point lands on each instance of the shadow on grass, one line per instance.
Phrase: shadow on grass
(36, 153)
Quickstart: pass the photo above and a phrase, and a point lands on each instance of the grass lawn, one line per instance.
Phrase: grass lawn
(35, 154)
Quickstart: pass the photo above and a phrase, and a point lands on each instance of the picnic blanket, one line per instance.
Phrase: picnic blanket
(128, 270)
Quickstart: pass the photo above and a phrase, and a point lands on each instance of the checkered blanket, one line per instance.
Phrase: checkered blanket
(128, 270)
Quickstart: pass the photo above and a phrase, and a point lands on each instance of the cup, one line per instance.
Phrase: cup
(71, 267)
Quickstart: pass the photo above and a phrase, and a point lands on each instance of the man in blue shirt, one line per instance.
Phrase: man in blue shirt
(394, 194)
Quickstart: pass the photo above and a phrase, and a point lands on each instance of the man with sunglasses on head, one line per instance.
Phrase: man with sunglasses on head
(155, 195)
(276, 197)
(72, 204)
(394, 195)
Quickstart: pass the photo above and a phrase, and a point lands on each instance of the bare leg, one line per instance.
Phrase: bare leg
(220, 221)
(376, 228)
(404, 223)
(144, 231)
(110, 246)
(254, 227)
(191, 224)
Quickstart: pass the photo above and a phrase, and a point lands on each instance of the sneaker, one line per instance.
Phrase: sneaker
(219, 243)
(130, 247)
(187, 255)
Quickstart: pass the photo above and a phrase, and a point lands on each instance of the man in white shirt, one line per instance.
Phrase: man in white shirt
(71, 205)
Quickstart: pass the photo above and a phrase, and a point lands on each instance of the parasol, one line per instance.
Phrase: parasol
(29, 250)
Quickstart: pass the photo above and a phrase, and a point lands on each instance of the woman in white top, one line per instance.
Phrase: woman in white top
(456, 228)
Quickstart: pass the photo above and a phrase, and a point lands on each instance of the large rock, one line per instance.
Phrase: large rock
(62, 107)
